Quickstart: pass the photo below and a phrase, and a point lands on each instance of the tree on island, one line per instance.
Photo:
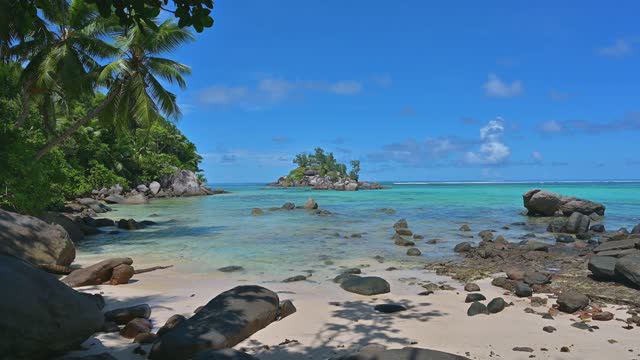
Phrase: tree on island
(325, 164)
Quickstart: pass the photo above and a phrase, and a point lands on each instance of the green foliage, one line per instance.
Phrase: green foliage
(296, 174)
(96, 156)
(326, 165)
(354, 174)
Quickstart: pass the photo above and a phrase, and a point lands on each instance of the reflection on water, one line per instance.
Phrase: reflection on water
(205, 233)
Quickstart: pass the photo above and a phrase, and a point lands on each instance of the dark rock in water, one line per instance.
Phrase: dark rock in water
(407, 353)
(34, 240)
(603, 267)
(342, 277)
(404, 232)
(223, 354)
(129, 224)
(414, 252)
(42, 317)
(102, 222)
(486, 235)
(536, 278)
(368, 285)
(557, 225)
(528, 236)
(477, 308)
(577, 223)
(474, 297)
(599, 228)
(288, 206)
(628, 268)
(226, 320)
(471, 287)
(401, 224)
(496, 305)
(231, 268)
(122, 316)
(465, 227)
(95, 274)
(295, 278)
(418, 237)
(354, 271)
(286, 308)
(571, 302)
(311, 204)
(389, 308)
(257, 212)
(400, 241)
(146, 223)
(463, 247)
(584, 207)
(171, 323)
(565, 239)
(523, 290)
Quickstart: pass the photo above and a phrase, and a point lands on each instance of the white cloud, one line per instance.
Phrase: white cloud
(345, 87)
(223, 95)
(551, 126)
(492, 150)
(495, 87)
(619, 48)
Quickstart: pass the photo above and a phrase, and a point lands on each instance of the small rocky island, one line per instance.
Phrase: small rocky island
(321, 171)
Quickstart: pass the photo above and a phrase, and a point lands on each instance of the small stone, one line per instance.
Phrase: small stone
(496, 305)
(414, 252)
(549, 329)
(231, 268)
(602, 316)
(564, 349)
(477, 308)
(471, 287)
(523, 290)
(295, 278)
(523, 349)
(135, 327)
(465, 227)
(474, 297)
(285, 309)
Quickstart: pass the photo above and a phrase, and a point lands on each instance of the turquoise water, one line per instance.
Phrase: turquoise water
(202, 234)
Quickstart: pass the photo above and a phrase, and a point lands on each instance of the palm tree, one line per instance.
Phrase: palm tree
(136, 96)
(62, 53)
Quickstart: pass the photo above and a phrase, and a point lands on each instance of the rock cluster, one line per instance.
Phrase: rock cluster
(317, 182)
(544, 203)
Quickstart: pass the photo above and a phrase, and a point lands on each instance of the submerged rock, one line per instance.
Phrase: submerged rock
(226, 320)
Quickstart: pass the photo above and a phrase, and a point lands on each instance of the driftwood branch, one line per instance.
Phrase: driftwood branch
(140, 271)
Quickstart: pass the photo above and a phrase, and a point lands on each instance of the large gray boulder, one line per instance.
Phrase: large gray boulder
(408, 353)
(95, 274)
(226, 320)
(603, 267)
(69, 225)
(41, 316)
(183, 183)
(540, 202)
(34, 240)
(154, 187)
(545, 203)
(628, 268)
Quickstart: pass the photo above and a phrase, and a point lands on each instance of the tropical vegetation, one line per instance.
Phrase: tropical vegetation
(325, 164)
(84, 104)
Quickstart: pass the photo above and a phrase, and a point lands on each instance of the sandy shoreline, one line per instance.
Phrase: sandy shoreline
(331, 321)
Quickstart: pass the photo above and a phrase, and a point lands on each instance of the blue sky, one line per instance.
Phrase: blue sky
(418, 90)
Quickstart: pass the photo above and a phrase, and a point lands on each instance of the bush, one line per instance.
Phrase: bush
(296, 174)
